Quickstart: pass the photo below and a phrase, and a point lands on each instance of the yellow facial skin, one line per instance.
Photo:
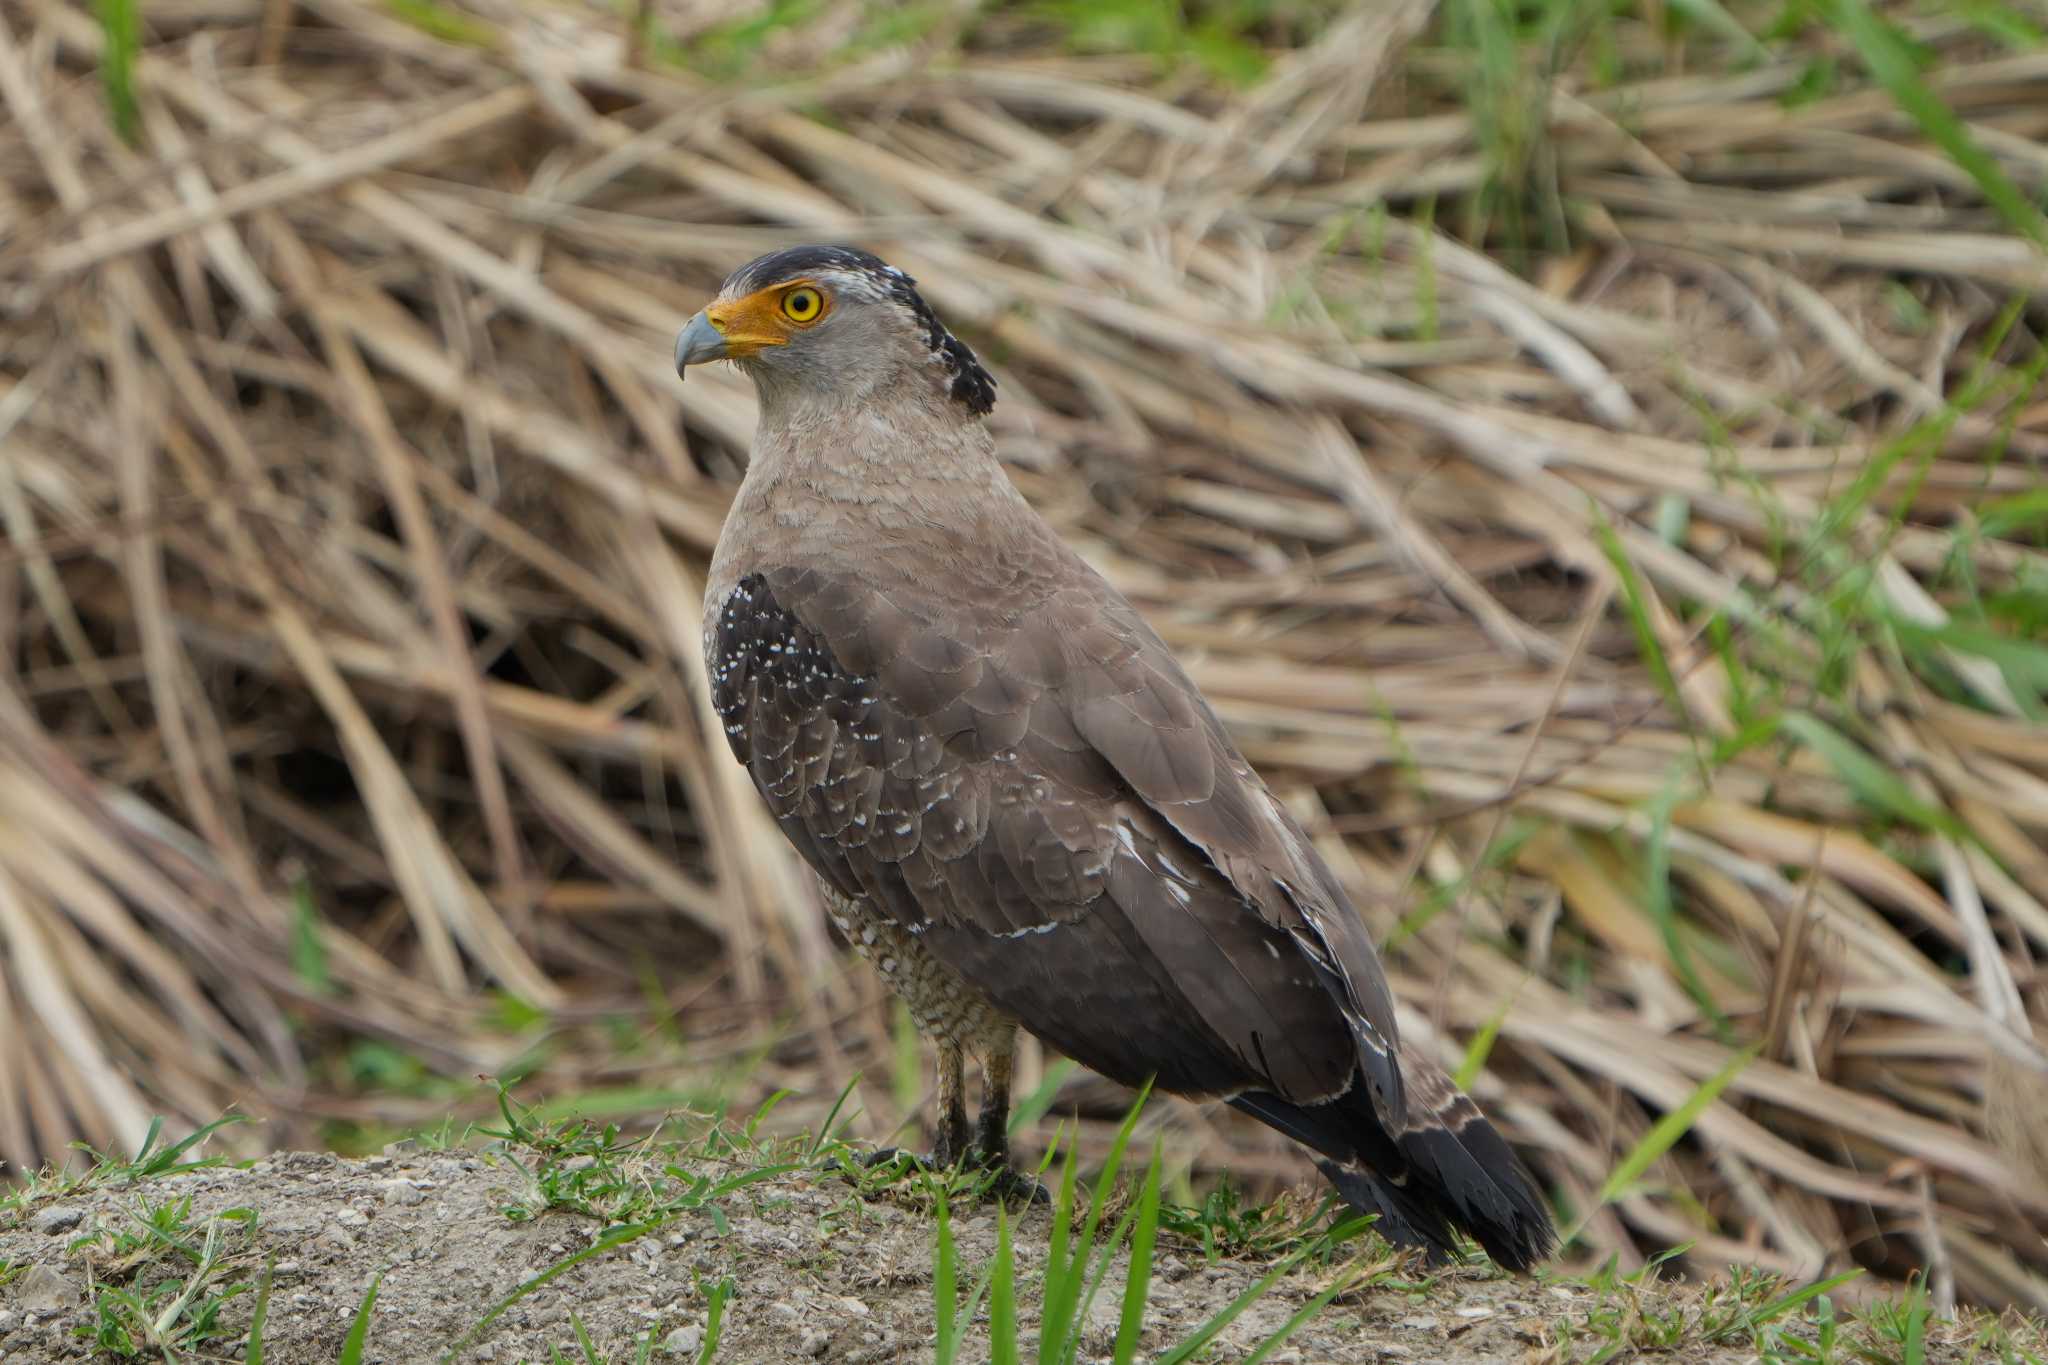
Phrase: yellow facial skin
(768, 317)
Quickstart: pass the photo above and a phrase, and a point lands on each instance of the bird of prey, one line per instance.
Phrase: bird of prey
(1020, 808)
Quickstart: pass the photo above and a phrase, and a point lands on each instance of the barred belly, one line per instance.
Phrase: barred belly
(942, 1005)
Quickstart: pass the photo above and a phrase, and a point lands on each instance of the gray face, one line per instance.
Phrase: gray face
(860, 341)
(830, 325)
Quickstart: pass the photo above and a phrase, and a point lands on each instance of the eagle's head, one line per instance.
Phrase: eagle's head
(826, 325)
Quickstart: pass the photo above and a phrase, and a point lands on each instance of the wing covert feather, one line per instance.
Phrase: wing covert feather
(1048, 802)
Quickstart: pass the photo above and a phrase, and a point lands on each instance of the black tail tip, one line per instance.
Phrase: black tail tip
(1498, 1205)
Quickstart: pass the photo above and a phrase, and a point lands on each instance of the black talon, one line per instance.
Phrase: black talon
(1009, 1184)
(888, 1156)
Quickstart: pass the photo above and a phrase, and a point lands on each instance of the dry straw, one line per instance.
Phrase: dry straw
(1627, 622)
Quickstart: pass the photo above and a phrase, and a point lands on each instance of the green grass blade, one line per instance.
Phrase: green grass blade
(1916, 1328)
(1875, 784)
(1113, 1163)
(824, 1133)
(1799, 1298)
(583, 1341)
(1002, 1297)
(1480, 1048)
(149, 1137)
(1058, 1332)
(945, 1285)
(1666, 1131)
(2021, 513)
(1301, 1316)
(1891, 61)
(254, 1354)
(1709, 14)
(306, 950)
(1663, 909)
(165, 1162)
(1062, 1289)
(714, 1318)
(973, 1306)
(617, 1237)
(1034, 1106)
(358, 1338)
(1070, 1348)
(1635, 601)
(1138, 1279)
(121, 27)
(443, 22)
(2023, 665)
(1194, 1345)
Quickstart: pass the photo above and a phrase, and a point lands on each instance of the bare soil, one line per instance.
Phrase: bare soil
(819, 1273)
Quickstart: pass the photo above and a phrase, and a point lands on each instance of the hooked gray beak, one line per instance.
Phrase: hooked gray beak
(697, 343)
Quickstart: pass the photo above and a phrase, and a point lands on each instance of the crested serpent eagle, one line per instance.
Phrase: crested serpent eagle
(1020, 808)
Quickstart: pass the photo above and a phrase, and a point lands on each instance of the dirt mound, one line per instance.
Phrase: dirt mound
(628, 1251)
(818, 1273)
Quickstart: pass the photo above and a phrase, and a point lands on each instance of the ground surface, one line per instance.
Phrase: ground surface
(818, 1273)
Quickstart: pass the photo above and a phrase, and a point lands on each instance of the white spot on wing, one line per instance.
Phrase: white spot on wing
(1045, 928)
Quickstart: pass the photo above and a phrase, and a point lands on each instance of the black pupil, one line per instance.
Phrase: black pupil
(800, 302)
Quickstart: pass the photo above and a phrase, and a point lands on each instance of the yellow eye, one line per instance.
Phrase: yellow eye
(802, 305)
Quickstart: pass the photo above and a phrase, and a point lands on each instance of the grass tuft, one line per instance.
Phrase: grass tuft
(120, 23)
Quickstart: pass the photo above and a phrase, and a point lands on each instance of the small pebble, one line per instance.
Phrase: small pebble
(814, 1343)
(684, 1341)
(402, 1192)
(41, 1291)
(57, 1218)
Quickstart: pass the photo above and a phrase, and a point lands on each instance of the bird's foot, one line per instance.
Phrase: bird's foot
(1010, 1185)
(991, 1153)
(896, 1157)
(997, 1179)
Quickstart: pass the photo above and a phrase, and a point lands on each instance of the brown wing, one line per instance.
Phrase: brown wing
(1043, 796)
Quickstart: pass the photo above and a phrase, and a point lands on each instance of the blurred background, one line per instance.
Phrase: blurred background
(1590, 451)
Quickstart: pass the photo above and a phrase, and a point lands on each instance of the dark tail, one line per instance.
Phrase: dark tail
(1446, 1168)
